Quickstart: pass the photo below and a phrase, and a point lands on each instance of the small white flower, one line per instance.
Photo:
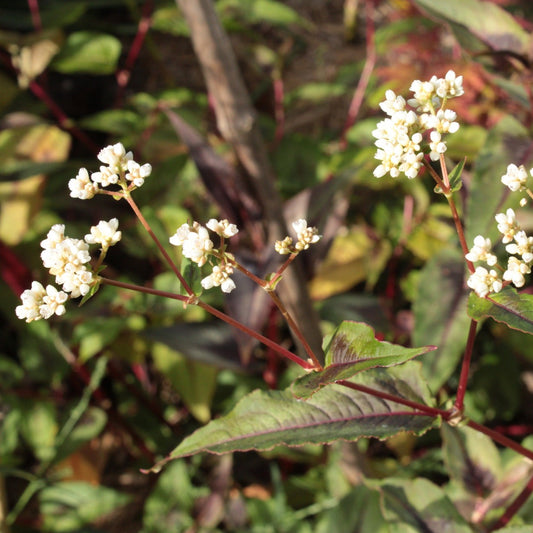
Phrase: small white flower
(284, 247)
(222, 227)
(306, 236)
(75, 280)
(444, 121)
(515, 271)
(411, 164)
(81, 186)
(515, 178)
(53, 302)
(55, 236)
(32, 299)
(105, 234)
(483, 282)
(523, 246)
(392, 103)
(424, 95)
(507, 225)
(220, 277)
(481, 251)
(436, 145)
(195, 242)
(38, 302)
(137, 173)
(181, 235)
(105, 177)
(450, 86)
(115, 157)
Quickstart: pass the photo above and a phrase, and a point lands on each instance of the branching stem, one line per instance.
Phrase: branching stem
(147, 227)
(215, 312)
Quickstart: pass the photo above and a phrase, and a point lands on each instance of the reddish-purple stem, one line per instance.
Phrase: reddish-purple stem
(279, 110)
(123, 75)
(35, 14)
(368, 67)
(514, 507)
(215, 312)
(465, 369)
(425, 409)
(501, 439)
(168, 259)
(61, 118)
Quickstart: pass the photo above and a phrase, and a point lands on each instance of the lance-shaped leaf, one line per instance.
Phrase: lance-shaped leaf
(352, 349)
(507, 306)
(264, 419)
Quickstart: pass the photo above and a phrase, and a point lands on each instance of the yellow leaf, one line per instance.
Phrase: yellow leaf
(31, 54)
(344, 266)
(19, 201)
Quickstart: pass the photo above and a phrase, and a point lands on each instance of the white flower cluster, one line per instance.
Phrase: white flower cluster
(197, 246)
(68, 260)
(516, 177)
(119, 169)
(39, 302)
(305, 237)
(519, 246)
(400, 137)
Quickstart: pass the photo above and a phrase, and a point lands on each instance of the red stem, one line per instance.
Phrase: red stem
(296, 330)
(215, 312)
(123, 75)
(501, 439)
(147, 227)
(368, 67)
(62, 119)
(465, 369)
(425, 409)
(279, 111)
(445, 187)
(35, 15)
(514, 507)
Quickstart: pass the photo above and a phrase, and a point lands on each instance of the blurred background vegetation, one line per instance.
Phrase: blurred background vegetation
(88, 399)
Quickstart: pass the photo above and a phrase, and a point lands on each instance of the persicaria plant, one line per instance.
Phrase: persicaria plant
(365, 387)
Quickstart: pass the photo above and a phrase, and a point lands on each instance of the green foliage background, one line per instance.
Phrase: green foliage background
(88, 400)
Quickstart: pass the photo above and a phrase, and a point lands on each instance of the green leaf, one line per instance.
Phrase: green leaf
(264, 419)
(90, 426)
(507, 306)
(94, 335)
(69, 506)
(496, 28)
(412, 506)
(39, 428)
(170, 505)
(445, 324)
(115, 121)
(353, 348)
(10, 372)
(260, 11)
(88, 52)
(472, 459)
(357, 512)
(212, 343)
(194, 381)
(455, 176)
